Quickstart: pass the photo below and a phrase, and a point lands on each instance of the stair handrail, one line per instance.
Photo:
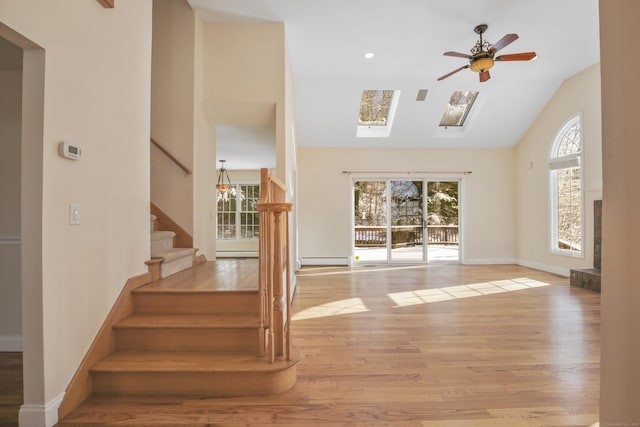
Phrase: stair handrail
(273, 255)
(171, 157)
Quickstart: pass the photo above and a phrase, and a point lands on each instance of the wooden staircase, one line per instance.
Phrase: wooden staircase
(186, 335)
(186, 343)
(184, 339)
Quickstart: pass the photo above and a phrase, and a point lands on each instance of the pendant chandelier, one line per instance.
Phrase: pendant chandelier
(223, 186)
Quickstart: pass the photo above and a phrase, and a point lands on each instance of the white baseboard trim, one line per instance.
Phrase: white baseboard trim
(40, 415)
(10, 343)
(560, 271)
(487, 261)
(325, 261)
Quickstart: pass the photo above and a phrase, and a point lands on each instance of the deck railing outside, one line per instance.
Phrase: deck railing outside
(274, 275)
(405, 235)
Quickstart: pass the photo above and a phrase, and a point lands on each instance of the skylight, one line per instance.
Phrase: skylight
(377, 110)
(374, 107)
(458, 108)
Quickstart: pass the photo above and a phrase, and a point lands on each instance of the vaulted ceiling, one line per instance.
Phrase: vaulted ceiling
(327, 41)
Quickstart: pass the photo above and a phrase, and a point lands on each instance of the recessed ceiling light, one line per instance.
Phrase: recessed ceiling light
(369, 55)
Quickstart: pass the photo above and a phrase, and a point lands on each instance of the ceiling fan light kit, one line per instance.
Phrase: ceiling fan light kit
(482, 57)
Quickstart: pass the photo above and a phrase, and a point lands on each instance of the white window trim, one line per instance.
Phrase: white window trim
(555, 164)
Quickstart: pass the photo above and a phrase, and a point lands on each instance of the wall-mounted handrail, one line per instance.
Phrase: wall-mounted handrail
(171, 156)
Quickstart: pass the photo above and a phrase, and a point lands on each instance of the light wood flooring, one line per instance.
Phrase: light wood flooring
(429, 346)
(10, 388)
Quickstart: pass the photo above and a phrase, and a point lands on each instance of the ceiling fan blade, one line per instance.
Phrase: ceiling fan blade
(503, 42)
(524, 56)
(484, 76)
(453, 72)
(457, 54)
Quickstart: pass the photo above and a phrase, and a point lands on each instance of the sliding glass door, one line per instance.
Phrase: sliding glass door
(405, 221)
(442, 231)
(370, 221)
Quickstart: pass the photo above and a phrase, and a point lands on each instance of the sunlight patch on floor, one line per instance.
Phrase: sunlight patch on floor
(427, 296)
(334, 308)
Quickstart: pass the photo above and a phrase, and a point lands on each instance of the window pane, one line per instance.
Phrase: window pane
(370, 203)
(458, 108)
(226, 222)
(571, 141)
(237, 213)
(249, 213)
(569, 205)
(566, 176)
(374, 107)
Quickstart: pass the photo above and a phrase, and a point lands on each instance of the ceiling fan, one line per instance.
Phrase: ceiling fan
(483, 57)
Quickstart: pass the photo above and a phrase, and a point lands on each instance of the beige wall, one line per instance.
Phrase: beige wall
(244, 84)
(10, 247)
(488, 211)
(244, 72)
(172, 108)
(291, 170)
(204, 151)
(244, 76)
(620, 325)
(96, 95)
(579, 94)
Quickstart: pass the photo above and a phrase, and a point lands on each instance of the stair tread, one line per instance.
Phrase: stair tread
(189, 361)
(190, 320)
(174, 253)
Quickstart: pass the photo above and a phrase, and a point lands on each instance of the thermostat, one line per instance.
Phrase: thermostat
(69, 151)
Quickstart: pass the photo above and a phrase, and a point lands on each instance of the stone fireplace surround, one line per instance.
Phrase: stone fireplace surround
(590, 278)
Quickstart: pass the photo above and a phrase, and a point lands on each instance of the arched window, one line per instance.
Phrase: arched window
(567, 190)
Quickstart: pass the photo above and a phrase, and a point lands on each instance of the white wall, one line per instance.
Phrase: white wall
(95, 70)
(579, 94)
(10, 247)
(488, 216)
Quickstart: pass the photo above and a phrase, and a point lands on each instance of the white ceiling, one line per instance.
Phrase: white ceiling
(327, 40)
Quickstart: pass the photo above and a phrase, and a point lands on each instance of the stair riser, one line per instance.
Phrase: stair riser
(175, 302)
(195, 384)
(167, 268)
(188, 339)
(161, 245)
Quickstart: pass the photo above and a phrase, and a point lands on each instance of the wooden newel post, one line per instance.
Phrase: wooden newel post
(275, 272)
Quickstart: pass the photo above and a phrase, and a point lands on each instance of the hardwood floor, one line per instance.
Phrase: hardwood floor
(429, 346)
(10, 388)
(224, 274)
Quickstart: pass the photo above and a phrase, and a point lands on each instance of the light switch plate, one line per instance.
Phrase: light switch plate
(74, 214)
